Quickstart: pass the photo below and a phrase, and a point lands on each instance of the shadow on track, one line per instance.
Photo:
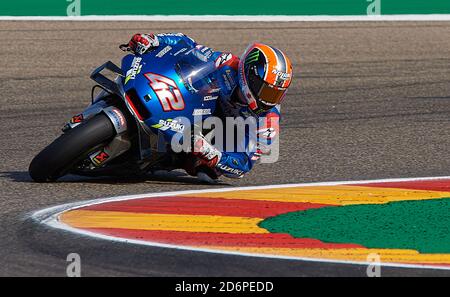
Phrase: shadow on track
(170, 177)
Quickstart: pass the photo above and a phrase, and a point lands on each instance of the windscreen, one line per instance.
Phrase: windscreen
(196, 72)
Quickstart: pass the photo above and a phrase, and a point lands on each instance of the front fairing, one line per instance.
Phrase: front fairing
(167, 87)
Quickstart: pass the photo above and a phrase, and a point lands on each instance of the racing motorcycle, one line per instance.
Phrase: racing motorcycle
(121, 131)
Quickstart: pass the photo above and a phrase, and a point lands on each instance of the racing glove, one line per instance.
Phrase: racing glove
(208, 154)
(203, 158)
(141, 43)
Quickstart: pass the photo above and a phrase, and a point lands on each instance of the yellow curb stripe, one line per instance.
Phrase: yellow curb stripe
(167, 222)
(333, 195)
(360, 255)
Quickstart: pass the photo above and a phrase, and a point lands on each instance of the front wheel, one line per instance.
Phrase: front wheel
(58, 157)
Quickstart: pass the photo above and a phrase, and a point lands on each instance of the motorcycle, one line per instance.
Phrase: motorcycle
(139, 109)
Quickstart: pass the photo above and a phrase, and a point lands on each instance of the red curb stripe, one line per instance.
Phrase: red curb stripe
(204, 206)
(432, 264)
(222, 239)
(441, 185)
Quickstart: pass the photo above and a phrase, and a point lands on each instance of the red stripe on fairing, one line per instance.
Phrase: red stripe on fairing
(130, 102)
(442, 185)
(221, 239)
(204, 206)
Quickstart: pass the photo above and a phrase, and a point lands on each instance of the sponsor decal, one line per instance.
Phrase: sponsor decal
(180, 51)
(222, 59)
(227, 82)
(212, 91)
(230, 78)
(77, 119)
(198, 112)
(117, 117)
(267, 133)
(200, 56)
(206, 51)
(202, 52)
(164, 51)
(202, 48)
(210, 98)
(169, 124)
(172, 34)
(99, 158)
(252, 57)
(208, 54)
(281, 77)
(228, 169)
(134, 70)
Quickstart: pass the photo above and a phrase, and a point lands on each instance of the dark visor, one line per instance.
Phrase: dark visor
(267, 93)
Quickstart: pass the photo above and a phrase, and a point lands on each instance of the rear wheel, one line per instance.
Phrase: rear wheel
(58, 157)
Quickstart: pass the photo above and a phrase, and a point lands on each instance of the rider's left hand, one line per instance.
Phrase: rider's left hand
(141, 43)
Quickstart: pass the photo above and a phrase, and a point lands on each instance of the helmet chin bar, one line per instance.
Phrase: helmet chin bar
(262, 107)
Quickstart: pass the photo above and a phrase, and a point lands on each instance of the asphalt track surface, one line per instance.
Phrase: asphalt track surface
(369, 100)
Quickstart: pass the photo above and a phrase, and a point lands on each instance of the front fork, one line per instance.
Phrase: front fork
(120, 143)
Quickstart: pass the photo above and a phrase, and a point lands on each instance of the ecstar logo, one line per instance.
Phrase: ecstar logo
(199, 112)
(210, 97)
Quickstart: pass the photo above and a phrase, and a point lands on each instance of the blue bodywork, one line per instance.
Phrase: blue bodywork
(178, 61)
(193, 71)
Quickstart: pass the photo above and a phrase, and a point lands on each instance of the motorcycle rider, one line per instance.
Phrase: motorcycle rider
(253, 85)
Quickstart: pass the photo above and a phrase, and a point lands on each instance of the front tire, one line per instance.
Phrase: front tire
(58, 157)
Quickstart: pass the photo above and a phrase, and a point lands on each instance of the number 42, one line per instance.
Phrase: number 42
(167, 91)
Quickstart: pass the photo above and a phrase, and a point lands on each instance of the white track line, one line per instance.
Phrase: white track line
(50, 217)
(236, 18)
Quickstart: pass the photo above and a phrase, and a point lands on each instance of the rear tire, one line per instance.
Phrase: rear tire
(58, 157)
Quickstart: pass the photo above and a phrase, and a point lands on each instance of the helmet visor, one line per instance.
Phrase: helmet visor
(271, 95)
(267, 93)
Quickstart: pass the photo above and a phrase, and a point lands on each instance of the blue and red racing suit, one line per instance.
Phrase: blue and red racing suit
(233, 163)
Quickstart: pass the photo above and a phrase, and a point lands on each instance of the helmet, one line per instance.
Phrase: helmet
(265, 74)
